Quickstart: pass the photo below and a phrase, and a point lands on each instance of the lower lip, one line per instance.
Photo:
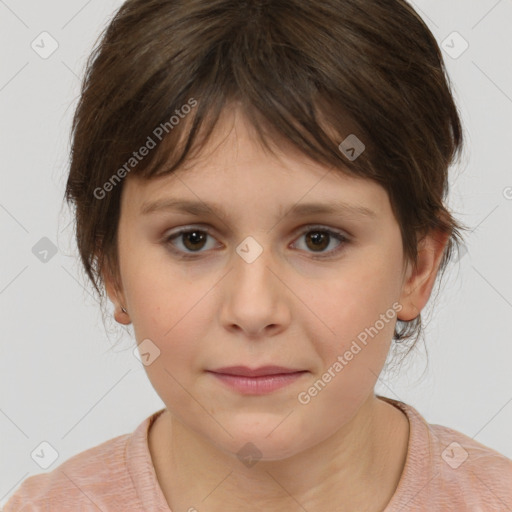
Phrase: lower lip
(258, 385)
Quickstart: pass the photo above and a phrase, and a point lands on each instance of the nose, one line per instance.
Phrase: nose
(256, 300)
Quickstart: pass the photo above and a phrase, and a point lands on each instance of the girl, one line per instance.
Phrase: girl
(259, 188)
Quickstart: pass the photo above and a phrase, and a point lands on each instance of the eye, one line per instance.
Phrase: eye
(319, 238)
(191, 241)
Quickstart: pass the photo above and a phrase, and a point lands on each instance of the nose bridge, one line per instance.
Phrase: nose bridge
(252, 262)
(255, 298)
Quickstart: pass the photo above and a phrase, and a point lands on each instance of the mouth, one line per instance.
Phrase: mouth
(257, 381)
(262, 371)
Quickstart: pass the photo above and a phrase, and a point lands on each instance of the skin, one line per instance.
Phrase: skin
(287, 308)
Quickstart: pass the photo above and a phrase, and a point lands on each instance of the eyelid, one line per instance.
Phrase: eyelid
(321, 227)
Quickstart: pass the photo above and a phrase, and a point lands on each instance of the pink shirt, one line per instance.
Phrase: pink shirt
(445, 470)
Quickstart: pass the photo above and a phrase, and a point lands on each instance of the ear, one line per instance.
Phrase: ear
(115, 293)
(419, 280)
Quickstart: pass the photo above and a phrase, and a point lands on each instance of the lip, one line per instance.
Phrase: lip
(245, 371)
(257, 381)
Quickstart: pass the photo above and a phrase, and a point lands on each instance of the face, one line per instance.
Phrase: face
(253, 282)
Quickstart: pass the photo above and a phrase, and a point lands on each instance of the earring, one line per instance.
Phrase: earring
(123, 310)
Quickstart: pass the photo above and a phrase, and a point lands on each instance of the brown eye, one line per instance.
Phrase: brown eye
(188, 242)
(193, 240)
(319, 240)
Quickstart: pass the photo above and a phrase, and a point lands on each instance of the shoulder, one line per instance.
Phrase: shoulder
(448, 470)
(469, 466)
(91, 480)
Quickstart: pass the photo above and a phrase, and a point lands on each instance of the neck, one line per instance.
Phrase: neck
(358, 468)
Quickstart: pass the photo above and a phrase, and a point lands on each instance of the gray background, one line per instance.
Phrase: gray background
(63, 378)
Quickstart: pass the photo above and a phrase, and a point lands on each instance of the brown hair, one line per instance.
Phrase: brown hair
(311, 72)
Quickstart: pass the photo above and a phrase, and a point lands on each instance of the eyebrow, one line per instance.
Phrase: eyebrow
(199, 208)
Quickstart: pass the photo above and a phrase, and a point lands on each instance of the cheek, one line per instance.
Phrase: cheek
(166, 310)
(154, 290)
(350, 358)
(170, 309)
(356, 298)
(171, 312)
(355, 316)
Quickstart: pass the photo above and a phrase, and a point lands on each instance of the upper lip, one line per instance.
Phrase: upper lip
(254, 372)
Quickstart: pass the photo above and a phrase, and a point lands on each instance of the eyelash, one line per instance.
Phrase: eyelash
(311, 229)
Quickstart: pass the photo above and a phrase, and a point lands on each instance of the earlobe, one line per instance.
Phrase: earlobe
(420, 278)
(121, 315)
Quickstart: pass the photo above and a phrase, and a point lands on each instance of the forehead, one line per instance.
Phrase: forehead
(236, 170)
